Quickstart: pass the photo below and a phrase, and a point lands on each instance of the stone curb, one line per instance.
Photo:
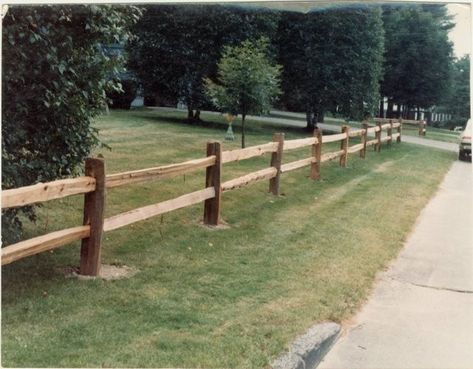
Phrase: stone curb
(308, 350)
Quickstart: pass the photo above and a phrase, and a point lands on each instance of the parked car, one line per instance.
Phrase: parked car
(465, 143)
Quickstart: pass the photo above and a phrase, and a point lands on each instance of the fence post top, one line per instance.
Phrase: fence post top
(278, 135)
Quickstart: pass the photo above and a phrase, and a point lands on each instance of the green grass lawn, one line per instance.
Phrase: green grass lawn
(201, 297)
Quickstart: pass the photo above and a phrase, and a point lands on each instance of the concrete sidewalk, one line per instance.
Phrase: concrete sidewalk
(420, 314)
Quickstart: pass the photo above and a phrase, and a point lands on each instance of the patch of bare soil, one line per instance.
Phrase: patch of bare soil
(107, 272)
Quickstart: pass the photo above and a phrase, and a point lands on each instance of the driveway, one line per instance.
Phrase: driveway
(420, 314)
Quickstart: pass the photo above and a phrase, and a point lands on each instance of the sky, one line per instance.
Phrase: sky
(462, 33)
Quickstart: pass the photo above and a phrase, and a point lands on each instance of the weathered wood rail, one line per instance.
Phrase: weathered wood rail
(95, 184)
(420, 124)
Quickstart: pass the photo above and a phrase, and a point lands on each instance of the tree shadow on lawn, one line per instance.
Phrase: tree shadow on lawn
(252, 126)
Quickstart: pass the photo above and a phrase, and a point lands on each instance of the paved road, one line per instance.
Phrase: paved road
(297, 120)
(420, 314)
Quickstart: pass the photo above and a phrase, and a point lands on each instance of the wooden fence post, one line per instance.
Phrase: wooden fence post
(276, 160)
(378, 136)
(344, 147)
(424, 127)
(390, 132)
(399, 130)
(213, 179)
(94, 205)
(364, 138)
(316, 154)
(420, 128)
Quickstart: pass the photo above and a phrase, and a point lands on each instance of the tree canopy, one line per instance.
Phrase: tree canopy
(332, 61)
(179, 45)
(247, 81)
(418, 56)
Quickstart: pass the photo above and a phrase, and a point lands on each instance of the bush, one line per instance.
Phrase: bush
(55, 73)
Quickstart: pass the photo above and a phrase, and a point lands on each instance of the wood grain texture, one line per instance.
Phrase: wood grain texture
(355, 148)
(331, 156)
(356, 133)
(94, 208)
(40, 244)
(249, 152)
(41, 192)
(316, 154)
(344, 146)
(276, 160)
(149, 211)
(364, 139)
(334, 138)
(166, 171)
(297, 164)
(249, 178)
(302, 142)
(213, 180)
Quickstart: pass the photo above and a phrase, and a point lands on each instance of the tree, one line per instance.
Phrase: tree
(418, 57)
(179, 45)
(458, 103)
(332, 61)
(247, 81)
(55, 74)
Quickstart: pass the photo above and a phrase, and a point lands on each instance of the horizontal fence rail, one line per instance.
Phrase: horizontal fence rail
(149, 211)
(94, 184)
(42, 192)
(249, 152)
(166, 171)
(47, 242)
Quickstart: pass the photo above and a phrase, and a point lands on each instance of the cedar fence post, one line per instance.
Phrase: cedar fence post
(344, 147)
(94, 205)
(213, 179)
(316, 154)
(399, 130)
(390, 132)
(276, 159)
(420, 128)
(364, 138)
(378, 136)
(424, 129)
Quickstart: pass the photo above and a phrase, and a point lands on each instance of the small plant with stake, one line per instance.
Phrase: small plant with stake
(247, 81)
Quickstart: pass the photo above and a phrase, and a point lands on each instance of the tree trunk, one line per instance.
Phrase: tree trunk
(390, 111)
(243, 131)
(190, 113)
(310, 119)
(197, 115)
(381, 108)
(320, 116)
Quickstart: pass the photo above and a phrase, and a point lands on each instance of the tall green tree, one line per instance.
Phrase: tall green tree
(55, 74)
(418, 57)
(179, 45)
(332, 61)
(458, 103)
(247, 81)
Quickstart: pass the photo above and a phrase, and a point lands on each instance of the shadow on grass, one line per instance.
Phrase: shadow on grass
(218, 123)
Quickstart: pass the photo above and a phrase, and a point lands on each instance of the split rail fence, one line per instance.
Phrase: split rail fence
(95, 183)
(420, 124)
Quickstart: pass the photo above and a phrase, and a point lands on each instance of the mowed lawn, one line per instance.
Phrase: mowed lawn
(233, 297)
